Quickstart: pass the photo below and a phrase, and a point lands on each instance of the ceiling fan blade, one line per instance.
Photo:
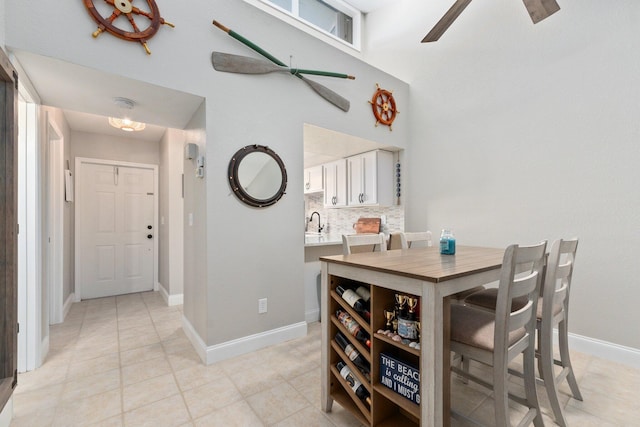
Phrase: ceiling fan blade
(541, 9)
(444, 22)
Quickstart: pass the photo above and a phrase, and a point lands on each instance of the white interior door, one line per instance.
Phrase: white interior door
(117, 230)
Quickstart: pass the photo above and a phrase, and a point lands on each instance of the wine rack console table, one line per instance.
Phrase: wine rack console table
(420, 272)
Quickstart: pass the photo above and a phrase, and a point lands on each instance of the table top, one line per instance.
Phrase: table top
(425, 263)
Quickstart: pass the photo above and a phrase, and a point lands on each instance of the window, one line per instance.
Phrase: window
(329, 16)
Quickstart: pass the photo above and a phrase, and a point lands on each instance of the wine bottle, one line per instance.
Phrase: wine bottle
(354, 300)
(353, 382)
(353, 327)
(353, 354)
(364, 293)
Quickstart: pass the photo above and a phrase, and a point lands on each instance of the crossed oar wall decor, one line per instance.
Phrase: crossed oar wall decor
(230, 63)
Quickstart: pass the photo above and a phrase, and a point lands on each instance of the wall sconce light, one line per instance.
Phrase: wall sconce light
(125, 123)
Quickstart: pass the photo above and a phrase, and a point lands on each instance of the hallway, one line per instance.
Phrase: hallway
(124, 361)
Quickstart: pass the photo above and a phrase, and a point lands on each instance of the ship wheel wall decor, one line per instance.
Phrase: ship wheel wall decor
(384, 106)
(126, 9)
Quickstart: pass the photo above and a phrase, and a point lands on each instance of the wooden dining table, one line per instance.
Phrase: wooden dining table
(433, 277)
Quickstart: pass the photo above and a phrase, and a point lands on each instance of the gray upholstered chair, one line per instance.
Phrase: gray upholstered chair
(370, 241)
(553, 310)
(496, 338)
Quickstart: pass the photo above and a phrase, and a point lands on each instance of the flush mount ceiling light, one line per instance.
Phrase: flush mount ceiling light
(125, 123)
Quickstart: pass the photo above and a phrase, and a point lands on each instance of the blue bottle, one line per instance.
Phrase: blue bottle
(447, 242)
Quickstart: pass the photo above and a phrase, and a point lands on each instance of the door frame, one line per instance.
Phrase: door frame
(8, 230)
(78, 218)
(55, 219)
(29, 240)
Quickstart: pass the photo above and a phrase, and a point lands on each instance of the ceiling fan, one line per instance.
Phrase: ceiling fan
(538, 10)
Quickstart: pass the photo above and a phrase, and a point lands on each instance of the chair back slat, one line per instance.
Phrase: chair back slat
(520, 318)
(352, 240)
(521, 276)
(558, 277)
(524, 285)
(407, 239)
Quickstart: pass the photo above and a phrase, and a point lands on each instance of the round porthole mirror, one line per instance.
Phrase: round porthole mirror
(257, 176)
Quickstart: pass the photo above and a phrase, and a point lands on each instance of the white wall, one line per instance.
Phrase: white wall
(97, 146)
(525, 132)
(2, 19)
(68, 213)
(248, 253)
(171, 232)
(196, 289)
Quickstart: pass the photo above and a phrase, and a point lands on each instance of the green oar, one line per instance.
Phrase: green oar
(321, 90)
(231, 63)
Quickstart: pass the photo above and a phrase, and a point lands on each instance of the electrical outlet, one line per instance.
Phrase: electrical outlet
(262, 305)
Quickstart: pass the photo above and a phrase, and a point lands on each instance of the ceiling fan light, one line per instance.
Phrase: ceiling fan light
(126, 125)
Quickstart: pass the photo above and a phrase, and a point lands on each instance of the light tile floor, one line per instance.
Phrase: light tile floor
(125, 361)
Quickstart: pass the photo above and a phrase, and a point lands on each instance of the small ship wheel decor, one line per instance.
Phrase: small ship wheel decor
(141, 26)
(383, 106)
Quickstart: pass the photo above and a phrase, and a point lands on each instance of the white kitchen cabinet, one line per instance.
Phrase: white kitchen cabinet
(313, 181)
(370, 179)
(335, 184)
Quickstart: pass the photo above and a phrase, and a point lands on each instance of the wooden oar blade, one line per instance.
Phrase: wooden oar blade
(446, 21)
(541, 9)
(230, 63)
(337, 100)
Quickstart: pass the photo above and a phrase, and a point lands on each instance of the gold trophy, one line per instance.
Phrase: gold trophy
(400, 302)
(412, 302)
(389, 315)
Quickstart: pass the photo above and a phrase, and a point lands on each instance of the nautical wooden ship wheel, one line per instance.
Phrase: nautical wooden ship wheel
(383, 106)
(133, 32)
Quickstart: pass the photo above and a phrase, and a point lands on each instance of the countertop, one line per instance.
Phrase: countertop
(322, 239)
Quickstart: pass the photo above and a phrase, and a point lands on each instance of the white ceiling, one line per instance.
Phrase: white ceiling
(87, 98)
(324, 145)
(367, 6)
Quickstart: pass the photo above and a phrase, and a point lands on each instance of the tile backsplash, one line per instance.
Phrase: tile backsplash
(341, 220)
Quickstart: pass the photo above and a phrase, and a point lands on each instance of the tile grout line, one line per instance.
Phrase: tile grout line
(173, 373)
(120, 365)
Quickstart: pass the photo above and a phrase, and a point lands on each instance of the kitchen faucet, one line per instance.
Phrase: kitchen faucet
(320, 227)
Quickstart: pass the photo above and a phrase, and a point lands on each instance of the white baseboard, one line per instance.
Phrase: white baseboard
(594, 347)
(176, 299)
(194, 337)
(6, 413)
(44, 350)
(312, 315)
(67, 305)
(603, 349)
(237, 347)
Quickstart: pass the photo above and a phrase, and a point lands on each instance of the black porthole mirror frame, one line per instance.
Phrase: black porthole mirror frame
(241, 192)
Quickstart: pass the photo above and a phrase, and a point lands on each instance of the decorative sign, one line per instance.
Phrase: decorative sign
(400, 377)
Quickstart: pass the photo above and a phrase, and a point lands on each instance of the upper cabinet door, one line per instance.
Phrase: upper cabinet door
(313, 181)
(335, 184)
(370, 179)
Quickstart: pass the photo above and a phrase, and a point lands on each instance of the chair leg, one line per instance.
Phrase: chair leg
(566, 360)
(547, 373)
(528, 363)
(465, 368)
(539, 338)
(501, 393)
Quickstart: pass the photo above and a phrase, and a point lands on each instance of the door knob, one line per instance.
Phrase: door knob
(149, 236)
